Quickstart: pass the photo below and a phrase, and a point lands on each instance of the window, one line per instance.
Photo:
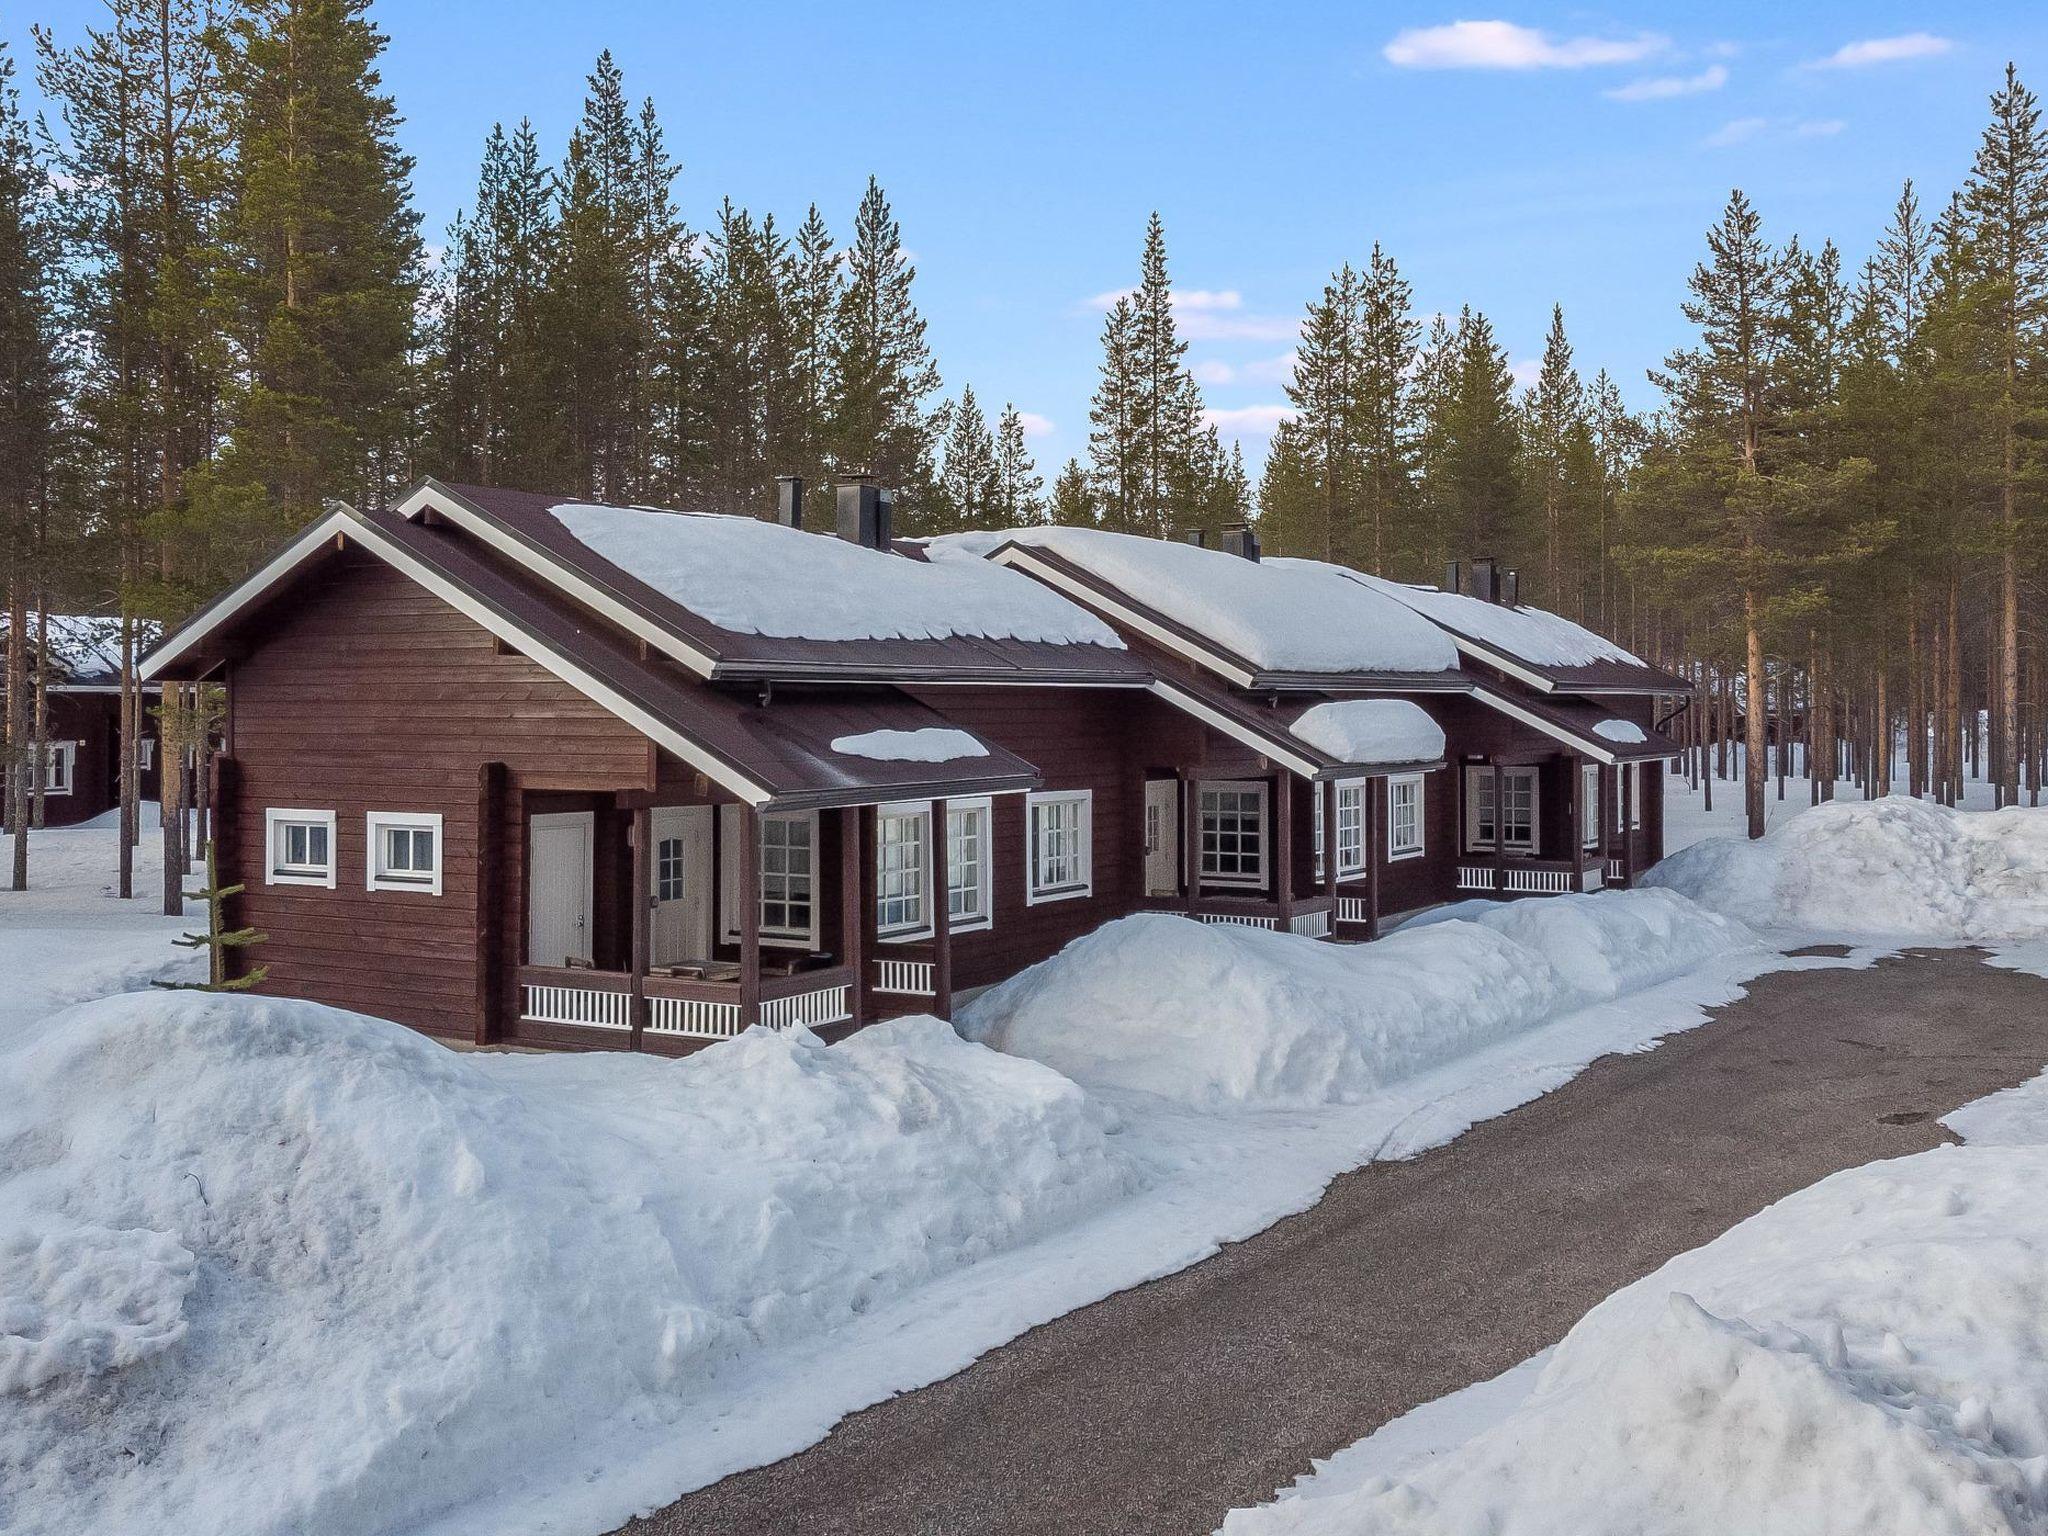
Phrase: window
(1517, 831)
(670, 869)
(1234, 833)
(1589, 805)
(145, 754)
(404, 851)
(1350, 829)
(301, 847)
(60, 762)
(967, 864)
(1061, 832)
(900, 869)
(788, 857)
(1404, 817)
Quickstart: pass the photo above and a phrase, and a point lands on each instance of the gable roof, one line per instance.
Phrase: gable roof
(1258, 624)
(777, 755)
(735, 598)
(85, 648)
(1543, 649)
(1585, 727)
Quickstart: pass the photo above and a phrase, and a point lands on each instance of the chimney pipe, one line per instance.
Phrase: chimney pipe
(1482, 578)
(1196, 537)
(1239, 540)
(1511, 589)
(789, 500)
(865, 512)
(1452, 572)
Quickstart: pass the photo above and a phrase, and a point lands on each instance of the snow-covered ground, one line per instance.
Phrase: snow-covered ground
(1687, 819)
(270, 1267)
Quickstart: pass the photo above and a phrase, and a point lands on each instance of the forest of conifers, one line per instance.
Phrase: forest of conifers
(217, 311)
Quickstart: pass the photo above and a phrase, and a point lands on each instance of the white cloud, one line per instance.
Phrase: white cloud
(1270, 370)
(1212, 370)
(1822, 128)
(1253, 421)
(1738, 130)
(1664, 87)
(1864, 52)
(1503, 45)
(1207, 300)
(1526, 372)
(1212, 314)
(1035, 425)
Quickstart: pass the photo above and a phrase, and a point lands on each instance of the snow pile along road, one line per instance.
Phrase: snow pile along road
(1894, 866)
(271, 1267)
(1230, 1015)
(1868, 1357)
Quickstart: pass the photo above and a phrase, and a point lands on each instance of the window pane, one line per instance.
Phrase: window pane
(899, 873)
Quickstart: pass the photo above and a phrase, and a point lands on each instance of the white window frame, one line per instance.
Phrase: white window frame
(145, 754)
(1254, 878)
(1477, 774)
(1399, 852)
(276, 871)
(1350, 859)
(728, 841)
(981, 811)
(377, 874)
(1589, 806)
(1083, 884)
(56, 753)
(919, 925)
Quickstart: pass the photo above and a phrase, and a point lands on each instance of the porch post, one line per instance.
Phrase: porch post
(1283, 872)
(1375, 850)
(1191, 839)
(490, 884)
(853, 911)
(1628, 837)
(1328, 790)
(642, 854)
(1500, 827)
(749, 856)
(942, 916)
(1607, 804)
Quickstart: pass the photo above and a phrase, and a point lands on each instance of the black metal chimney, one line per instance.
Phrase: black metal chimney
(865, 512)
(1482, 578)
(789, 500)
(1452, 574)
(1239, 540)
(1196, 537)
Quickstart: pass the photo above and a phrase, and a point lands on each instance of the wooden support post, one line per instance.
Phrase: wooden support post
(1328, 790)
(1191, 840)
(1375, 851)
(1606, 813)
(853, 910)
(1628, 836)
(1283, 852)
(749, 855)
(642, 862)
(490, 892)
(1500, 829)
(942, 917)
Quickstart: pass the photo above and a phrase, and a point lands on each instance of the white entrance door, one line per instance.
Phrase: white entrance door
(679, 884)
(558, 887)
(1162, 837)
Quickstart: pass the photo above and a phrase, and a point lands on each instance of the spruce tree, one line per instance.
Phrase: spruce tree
(1555, 411)
(1116, 437)
(881, 366)
(1383, 427)
(968, 482)
(1073, 503)
(1019, 495)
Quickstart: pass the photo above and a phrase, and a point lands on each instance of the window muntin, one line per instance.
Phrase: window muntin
(968, 851)
(1350, 828)
(60, 763)
(900, 870)
(1589, 805)
(1404, 817)
(671, 877)
(1517, 833)
(1234, 832)
(789, 861)
(1059, 860)
(403, 849)
(300, 846)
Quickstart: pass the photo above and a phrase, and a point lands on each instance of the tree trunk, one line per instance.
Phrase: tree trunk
(1753, 718)
(20, 760)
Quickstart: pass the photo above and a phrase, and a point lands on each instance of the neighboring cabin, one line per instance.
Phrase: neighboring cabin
(512, 769)
(81, 767)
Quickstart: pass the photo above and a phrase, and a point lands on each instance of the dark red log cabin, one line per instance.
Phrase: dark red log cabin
(81, 767)
(510, 769)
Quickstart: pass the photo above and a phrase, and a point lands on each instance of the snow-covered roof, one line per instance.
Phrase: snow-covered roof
(84, 647)
(1372, 732)
(761, 578)
(1278, 615)
(1621, 730)
(1529, 634)
(927, 744)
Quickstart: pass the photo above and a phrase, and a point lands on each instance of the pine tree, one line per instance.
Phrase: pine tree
(1324, 393)
(1480, 465)
(810, 300)
(1019, 497)
(1554, 414)
(968, 483)
(1116, 440)
(1383, 427)
(1172, 476)
(881, 366)
(1073, 503)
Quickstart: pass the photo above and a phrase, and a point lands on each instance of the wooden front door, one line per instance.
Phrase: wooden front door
(680, 884)
(1162, 837)
(558, 887)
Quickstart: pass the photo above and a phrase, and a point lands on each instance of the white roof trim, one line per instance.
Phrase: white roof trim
(1549, 728)
(524, 641)
(1506, 664)
(636, 624)
(1235, 730)
(1089, 597)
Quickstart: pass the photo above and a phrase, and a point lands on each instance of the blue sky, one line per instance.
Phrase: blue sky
(1505, 158)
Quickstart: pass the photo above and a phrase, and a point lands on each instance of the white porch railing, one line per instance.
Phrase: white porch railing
(589, 1007)
(1614, 870)
(1241, 920)
(1311, 925)
(827, 1005)
(694, 1018)
(905, 978)
(1352, 909)
(1475, 877)
(1536, 882)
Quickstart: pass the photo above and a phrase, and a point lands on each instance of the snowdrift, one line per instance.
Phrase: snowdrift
(1868, 1357)
(267, 1266)
(1892, 867)
(1216, 1015)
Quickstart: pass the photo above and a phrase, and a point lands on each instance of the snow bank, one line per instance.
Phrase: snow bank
(273, 1267)
(1892, 866)
(1228, 1015)
(1533, 634)
(1372, 731)
(760, 578)
(1865, 1358)
(927, 744)
(1283, 615)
